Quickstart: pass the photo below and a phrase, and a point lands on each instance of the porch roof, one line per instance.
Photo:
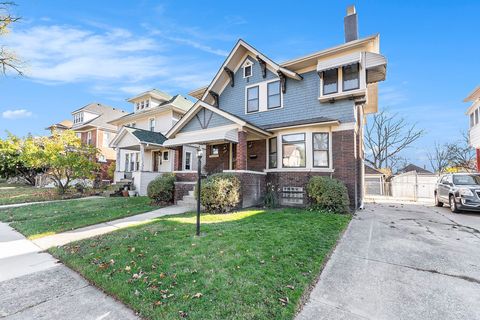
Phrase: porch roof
(139, 136)
(216, 136)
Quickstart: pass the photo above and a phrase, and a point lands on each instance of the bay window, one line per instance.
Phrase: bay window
(272, 153)
(273, 93)
(321, 148)
(351, 77)
(330, 81)
(293, 150)
(252, 99)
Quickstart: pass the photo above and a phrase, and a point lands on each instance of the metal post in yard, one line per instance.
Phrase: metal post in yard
(199, 185)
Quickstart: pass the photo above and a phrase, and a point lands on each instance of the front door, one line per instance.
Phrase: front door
(156, 160)
(164, 161)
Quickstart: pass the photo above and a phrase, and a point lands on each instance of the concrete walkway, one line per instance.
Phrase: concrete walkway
(402, 261)
(33, 285)
(60, 239)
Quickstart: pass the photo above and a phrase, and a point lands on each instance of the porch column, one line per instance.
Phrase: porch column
(142, 156)
(478, 160)
(117, 160)
(242, 151)
(177, 165)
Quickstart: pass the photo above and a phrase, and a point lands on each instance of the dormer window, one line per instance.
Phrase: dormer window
(247, 69)
(142, 104)
(147, 103)
(78, 117)
(138, 105)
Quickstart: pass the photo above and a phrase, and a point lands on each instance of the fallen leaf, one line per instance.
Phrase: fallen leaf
(183, 314)
(290, 287)
(158, 303)
(162, 275)
(197, 295)
(127, 268)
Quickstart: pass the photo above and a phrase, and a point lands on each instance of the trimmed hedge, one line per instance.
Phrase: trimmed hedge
(161, 189)
(328, 194)
(220, 193)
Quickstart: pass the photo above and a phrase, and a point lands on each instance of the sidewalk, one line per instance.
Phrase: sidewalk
(60, 239)
(34, 285)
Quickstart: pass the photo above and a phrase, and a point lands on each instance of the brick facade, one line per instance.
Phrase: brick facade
(185, 182)
(242, 151)
(217, 163)
(252, 188)
(256, 155)
(177, 164)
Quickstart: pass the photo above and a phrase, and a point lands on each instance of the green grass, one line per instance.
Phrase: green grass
(246, 265)
(43, 219)
(21, 193)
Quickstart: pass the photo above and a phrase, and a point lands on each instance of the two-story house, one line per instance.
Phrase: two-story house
(473, 114)
(91, 125)
(278, 124)
(140, 153)
(60, 127)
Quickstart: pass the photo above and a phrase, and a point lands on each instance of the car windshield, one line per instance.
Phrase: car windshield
(466, 179)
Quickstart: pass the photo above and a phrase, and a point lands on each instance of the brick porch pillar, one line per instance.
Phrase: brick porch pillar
(177, 165)
(478, 160)
(242, 151)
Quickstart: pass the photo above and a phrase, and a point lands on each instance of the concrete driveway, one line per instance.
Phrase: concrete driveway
(402, 261)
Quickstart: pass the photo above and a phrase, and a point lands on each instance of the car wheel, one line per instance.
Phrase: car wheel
(453, 205)
(437, 202)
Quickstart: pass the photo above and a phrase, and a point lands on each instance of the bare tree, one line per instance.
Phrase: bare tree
(8, 59)
(462, 155)
(439, 157)
(386, 136)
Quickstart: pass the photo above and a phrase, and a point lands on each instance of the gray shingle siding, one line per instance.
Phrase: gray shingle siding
(300, 100)
(215, 121)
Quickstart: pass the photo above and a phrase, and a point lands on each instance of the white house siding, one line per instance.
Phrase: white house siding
(475, 136)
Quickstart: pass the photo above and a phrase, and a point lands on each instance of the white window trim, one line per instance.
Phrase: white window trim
(246, 64)
(191, 161)
(340, 92)
(308, 150)
(150, 124)
(168, 156)
(263, 97)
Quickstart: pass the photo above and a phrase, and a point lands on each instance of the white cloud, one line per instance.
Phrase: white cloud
(16, 114)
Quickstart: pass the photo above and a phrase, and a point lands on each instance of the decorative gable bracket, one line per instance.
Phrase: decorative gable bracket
(283, 81)
(215, 98)
(230, 75)
(263, 65)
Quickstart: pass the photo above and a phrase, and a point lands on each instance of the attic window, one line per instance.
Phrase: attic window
(247, 69)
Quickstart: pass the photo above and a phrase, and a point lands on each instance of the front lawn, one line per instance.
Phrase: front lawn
(246, 265)
(20, 193)
(48, 218)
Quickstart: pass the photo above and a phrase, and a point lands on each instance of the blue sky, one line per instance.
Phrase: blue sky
(106, 51)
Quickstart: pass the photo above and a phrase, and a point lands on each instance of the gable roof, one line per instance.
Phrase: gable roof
(370, 170)
(65, 124)
(141, 135)
(473, 96)
(105, 115)
(369, 43)
(232, 62)
(155, 93)
(201, 104)
(411, 167)
(178, 102)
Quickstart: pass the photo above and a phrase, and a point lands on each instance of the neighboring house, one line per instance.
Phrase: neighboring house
(473, 113)
(411, 167)
(139, 141)
(60, 127)
(91, 125)
(281, 124)
(374, 181)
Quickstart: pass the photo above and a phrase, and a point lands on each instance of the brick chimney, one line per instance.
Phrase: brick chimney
(351, 24)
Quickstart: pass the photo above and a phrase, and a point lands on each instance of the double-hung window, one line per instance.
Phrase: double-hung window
(106, 139)
(293, 150)
(273, 92)
(188, 161)
(252, 99)
(165, 155)
(472, 121)
(330, 81)
(152, 124)
(476, 116)
(272, 153)
(351, 77)
(89, 137)
(321, 150)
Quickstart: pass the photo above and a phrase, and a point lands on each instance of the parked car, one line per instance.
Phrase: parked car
(460, 190)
